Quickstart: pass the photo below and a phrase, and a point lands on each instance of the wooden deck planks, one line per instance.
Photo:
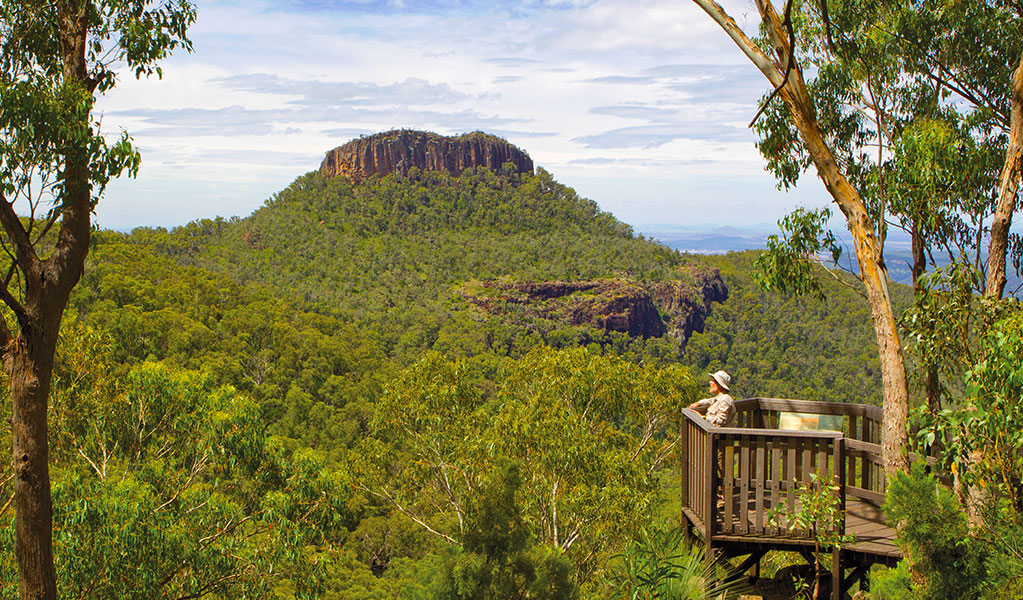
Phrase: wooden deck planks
(866, 521)
(873, 535)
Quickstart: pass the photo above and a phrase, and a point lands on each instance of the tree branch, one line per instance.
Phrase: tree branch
(759, 59)
(408, 514)
(24, 253)
(789, 64)
(92, 464)
(19, 313)
(949, 79)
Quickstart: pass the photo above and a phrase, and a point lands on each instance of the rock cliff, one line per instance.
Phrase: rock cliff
(400, 150)
(676, 308)
(686, 301)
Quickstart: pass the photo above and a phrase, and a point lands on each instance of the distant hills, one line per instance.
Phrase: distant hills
(714, 239)
(709, 239)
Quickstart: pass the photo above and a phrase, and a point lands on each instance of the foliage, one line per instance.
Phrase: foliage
(895, 583)
(499, 557)
(46, 127)
(944, 561)
(981, 444)
(995, 423)
(946, 317)
(587, 430)
(916, 128)
(787, 264)
(234, 299)
(162, 475)
(914, 99)
(311, 372)
(659, 564)
(780, 346)
(992, 426)
(818, 511)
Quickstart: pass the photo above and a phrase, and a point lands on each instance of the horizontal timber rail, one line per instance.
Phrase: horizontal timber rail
(735, 478)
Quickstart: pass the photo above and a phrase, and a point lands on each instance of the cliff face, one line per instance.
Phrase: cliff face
(608, 304)
(686, 302)
(400, 150)
(677, 308)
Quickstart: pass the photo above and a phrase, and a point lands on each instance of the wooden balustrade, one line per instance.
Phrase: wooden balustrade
(735, 476)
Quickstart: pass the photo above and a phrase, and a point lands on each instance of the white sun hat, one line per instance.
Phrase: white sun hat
(723, 379)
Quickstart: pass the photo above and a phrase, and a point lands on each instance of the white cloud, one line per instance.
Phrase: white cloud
(651, 87)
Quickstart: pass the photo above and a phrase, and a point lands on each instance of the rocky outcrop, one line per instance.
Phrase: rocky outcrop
(401, 150)
(676, 308)
(608, 304)
(686, 302)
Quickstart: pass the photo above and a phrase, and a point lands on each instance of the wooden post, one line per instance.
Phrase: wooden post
(839, 459)
(684, 444)
(836, 574)
(836, 558)
(710, 467)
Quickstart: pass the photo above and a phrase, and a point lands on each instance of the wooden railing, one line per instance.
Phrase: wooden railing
(734, 476)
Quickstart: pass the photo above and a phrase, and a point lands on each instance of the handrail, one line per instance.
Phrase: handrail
(712, 429)
(820, 408)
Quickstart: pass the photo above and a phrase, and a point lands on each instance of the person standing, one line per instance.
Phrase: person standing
(719, 408)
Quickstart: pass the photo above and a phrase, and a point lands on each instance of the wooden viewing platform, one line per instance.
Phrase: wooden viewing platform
(764, 465)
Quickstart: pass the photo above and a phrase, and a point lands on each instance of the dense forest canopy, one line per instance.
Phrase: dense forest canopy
(314, 316)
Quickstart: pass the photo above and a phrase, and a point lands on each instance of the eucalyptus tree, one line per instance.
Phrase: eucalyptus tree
(588, 433)
(906, 117)
(56, 59)
(786, 75)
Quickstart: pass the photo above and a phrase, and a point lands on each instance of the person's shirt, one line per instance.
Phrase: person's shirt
(721, 409)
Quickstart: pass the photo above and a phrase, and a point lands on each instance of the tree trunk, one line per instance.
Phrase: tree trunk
(1008, 187)
(29, 352)
(792, 90)
(31, 359)
(973, 497)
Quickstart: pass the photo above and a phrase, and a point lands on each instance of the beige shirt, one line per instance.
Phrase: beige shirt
(721, 409)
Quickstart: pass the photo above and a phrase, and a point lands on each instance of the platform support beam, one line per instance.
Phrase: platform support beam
(837, 589)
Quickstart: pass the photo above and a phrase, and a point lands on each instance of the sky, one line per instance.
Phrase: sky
(640, 105)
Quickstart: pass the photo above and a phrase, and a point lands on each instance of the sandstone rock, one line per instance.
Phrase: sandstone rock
(401, 150)
(686, 302)
(677, 308)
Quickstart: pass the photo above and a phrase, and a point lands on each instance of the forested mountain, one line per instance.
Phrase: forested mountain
(391, 256)
(416, 321)
(386, 260)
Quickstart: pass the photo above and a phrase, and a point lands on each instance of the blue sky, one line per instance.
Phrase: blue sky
(641, 105)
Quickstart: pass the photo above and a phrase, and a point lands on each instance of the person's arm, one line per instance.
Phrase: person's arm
(706, 402)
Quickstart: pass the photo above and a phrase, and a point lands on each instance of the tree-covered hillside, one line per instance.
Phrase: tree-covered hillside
(314, 301)
(340, 317)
